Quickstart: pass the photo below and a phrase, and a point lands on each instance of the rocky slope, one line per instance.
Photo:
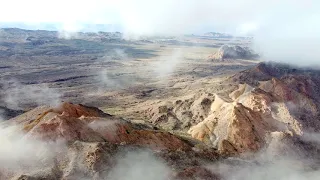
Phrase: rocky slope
(271, 108)
(267, 102)
(81, 142)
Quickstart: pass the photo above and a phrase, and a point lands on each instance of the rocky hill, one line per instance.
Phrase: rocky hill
(227, 52)
(79, 142)
(268, 101)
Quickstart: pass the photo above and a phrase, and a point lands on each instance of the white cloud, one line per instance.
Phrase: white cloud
(139, 165)
(18, 151)
(18, 96)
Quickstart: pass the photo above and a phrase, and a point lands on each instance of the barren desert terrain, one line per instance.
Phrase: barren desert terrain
(101, 106)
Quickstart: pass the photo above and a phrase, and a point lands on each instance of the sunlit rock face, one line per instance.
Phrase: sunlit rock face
(267, 98)
(263, 101)
(270, 98)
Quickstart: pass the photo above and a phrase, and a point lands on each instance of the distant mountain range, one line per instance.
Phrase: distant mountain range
(60, 27)
(218, 35)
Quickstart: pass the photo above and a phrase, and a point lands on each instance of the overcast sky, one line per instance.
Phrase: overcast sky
(284, 24)
(160, 16)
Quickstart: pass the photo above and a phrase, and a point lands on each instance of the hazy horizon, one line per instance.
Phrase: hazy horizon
(286, 31)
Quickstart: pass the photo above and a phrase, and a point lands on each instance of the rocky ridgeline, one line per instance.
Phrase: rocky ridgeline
(271, 109)
(91, 140)
(271, 101)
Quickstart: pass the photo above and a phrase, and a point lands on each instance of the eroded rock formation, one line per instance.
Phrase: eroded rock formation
(88, 142)
(269, 98)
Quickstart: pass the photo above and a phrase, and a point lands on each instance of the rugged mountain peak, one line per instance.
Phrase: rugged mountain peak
(62, 112)
(78, 110)
(93, 138)
(232, 122)
(279, 100)
(270, 98)
(73, 122)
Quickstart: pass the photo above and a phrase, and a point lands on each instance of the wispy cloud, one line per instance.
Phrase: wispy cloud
(139, 165)
(17, 96)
